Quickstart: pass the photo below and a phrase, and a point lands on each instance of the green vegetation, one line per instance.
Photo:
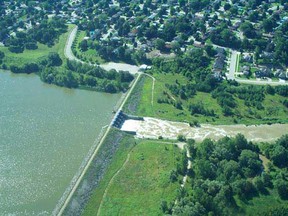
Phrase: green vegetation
(229, 178)
(92, 205)
(53, 68)
(82, 49)
(272, 108)
(186, 90)
(32, 56)
(144, 179)
(134, 100)
(110, 157)
(76, 74)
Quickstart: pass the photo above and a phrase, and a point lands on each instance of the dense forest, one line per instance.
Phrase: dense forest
(47, 32)
(230, 170)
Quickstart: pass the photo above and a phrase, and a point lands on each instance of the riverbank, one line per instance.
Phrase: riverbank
(205, 107)
(53, 66)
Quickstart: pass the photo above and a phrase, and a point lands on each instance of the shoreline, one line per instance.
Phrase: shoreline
(77, 179)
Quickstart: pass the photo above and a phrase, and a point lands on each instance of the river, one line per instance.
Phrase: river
(45, 133)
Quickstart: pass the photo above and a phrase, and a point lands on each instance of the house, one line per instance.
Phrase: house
(264, 72)
(218, 64)
(220, 59)
(217, 75)
(245, 70)
(247, 58)
(281, 74)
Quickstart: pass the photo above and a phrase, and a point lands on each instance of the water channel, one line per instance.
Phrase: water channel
(45, 133)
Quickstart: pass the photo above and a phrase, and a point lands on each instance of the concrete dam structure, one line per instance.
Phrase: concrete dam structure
(120, 117)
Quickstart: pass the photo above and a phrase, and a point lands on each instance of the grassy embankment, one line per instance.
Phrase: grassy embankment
(143, 179)
(273, 112)
(90, 55)
(110, 156)
(29, 56)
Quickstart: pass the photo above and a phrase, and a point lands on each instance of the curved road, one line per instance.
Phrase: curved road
(133, 69)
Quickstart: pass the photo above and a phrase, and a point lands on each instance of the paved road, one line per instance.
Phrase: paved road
(233, 69)
(133, 69)
(69, 55)
(261, 82)
(233, 65)
(67, 50)
(67, 200)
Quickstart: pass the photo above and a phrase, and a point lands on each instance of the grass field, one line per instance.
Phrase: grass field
(243, 114)
(90, 55)
(29, 56)
(92, 205)
(141, 185)
(262, 203)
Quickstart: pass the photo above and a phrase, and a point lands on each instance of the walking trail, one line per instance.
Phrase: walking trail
(110, 182)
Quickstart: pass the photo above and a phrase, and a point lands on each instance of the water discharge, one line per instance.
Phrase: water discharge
(45, 133)
(153, 128)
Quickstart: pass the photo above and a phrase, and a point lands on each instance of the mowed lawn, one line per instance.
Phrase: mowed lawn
(43, 50)
(144, 181)
(274, 111)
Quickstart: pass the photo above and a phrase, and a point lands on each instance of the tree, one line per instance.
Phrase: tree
(2, 55)
(279, 156)
(181, 138)
(227, 6)
(169, 32)
(248, 30)
(90, 81)
(250, 163)
(54, 59)
(210, 50)
(160, 44)
(110, 88)
(204, 169)
(268, 25)
(282, 188)
(83, 45)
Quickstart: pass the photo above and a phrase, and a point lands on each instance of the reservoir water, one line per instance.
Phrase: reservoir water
(45, 133)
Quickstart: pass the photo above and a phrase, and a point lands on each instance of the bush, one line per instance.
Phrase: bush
(181, 138)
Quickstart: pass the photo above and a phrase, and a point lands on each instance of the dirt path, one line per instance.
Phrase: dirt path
(180, 145)
(85, 168)
(110, 182)
(188, 167)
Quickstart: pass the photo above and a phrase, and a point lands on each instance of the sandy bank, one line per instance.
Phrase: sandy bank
(133, 69)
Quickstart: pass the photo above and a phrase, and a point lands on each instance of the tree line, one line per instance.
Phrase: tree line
(228, 170)
(73, 74)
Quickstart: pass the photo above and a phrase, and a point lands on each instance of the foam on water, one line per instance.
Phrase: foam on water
(153, 128)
